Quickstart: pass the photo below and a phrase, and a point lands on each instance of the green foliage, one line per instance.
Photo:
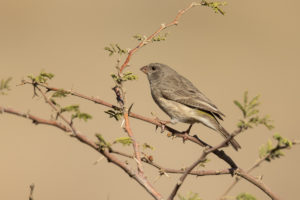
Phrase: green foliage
(76, 113)
(147, 146)
(115, 48)
(160, 37)
(43, 77)
(250, 113)
(271, 151)
(245, 196)
(190, 196)
(60, 93)
(101, 142)
(127, 76)
(203, 163)
(4, 86)
(139, 37)
(216, 6)
(115, 113)
(125, 141)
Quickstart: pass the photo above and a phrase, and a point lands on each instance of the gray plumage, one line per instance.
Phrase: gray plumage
(181, 100)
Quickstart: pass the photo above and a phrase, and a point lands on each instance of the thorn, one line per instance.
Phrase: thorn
(129, 109)
(123, 122)
(97, 161)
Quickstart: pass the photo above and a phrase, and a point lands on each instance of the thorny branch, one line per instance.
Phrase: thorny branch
(254, 166)
(219, 153)
(108, 154)
(161, 28)
(139, 178)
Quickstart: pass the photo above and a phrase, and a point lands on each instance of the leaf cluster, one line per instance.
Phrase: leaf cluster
(76, 113)
(43, 77)
(271, 151)
(250, 112)
(245, 196)
(125, 141)
(216, 6)
(4, 85)
(101, 142)
(61, 93)
(115, 48)
(127, 76)
(115, 113)
(190, 196)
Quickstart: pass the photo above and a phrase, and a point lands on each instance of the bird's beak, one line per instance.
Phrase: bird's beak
(144, 69)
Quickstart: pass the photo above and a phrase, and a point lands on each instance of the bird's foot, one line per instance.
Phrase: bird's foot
(162, 124)
(186, 133)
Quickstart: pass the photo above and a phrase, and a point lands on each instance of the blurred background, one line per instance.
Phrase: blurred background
(254, 47)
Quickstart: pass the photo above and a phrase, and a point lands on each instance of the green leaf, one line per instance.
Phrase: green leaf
(239, 105)
(245, 196)
(4, 86)
(71, 108)
(76, 113)
(127, 76)
(138, 37)
(115, 48)
(125, 141)
(245, 98)
(160, 37)
(43, 77)
(216, 6)
(101, 142)
(60, 93)
(116, 114)
(147, 146)
(190, 196)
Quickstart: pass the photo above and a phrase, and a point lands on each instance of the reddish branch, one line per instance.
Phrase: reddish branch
(138, 177)
(255, 165)
(221, 154)
(161, 28)
(111, 158)
(135, 145)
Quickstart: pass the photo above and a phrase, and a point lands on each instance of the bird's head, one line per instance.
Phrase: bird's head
(156, 71)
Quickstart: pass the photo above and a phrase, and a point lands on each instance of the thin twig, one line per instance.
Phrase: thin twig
(134, 144)
(205, 152)
(258, 183)
(254, 166)
(161, 28)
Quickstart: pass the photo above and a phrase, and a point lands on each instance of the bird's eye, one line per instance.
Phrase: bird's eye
(153, 68)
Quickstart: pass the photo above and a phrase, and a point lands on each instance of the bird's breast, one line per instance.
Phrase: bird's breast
(177, 110)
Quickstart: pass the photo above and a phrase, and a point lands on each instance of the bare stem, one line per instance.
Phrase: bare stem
(161, 28)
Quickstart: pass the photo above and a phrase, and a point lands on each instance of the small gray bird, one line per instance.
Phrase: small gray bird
(181, 100)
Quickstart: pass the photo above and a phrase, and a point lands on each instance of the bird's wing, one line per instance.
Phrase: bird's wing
(183, 91)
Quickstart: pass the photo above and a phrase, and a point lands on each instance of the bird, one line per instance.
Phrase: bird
(182, 101)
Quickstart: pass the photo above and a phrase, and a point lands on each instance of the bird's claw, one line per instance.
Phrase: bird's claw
(162, 124)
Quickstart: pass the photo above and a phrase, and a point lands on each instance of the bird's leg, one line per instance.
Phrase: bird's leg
(162, 124)
(187, 133)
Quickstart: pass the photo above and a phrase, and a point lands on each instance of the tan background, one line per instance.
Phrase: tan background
(254, 47)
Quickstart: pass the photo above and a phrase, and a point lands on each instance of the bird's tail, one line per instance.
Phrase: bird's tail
(233, 142)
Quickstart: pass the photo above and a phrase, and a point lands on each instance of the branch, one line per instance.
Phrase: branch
(161, 28)
(238, 171)
(258, 183)
(205, 152)
(134, 144)
(164, 170)
(255, 165)
(219, 153)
